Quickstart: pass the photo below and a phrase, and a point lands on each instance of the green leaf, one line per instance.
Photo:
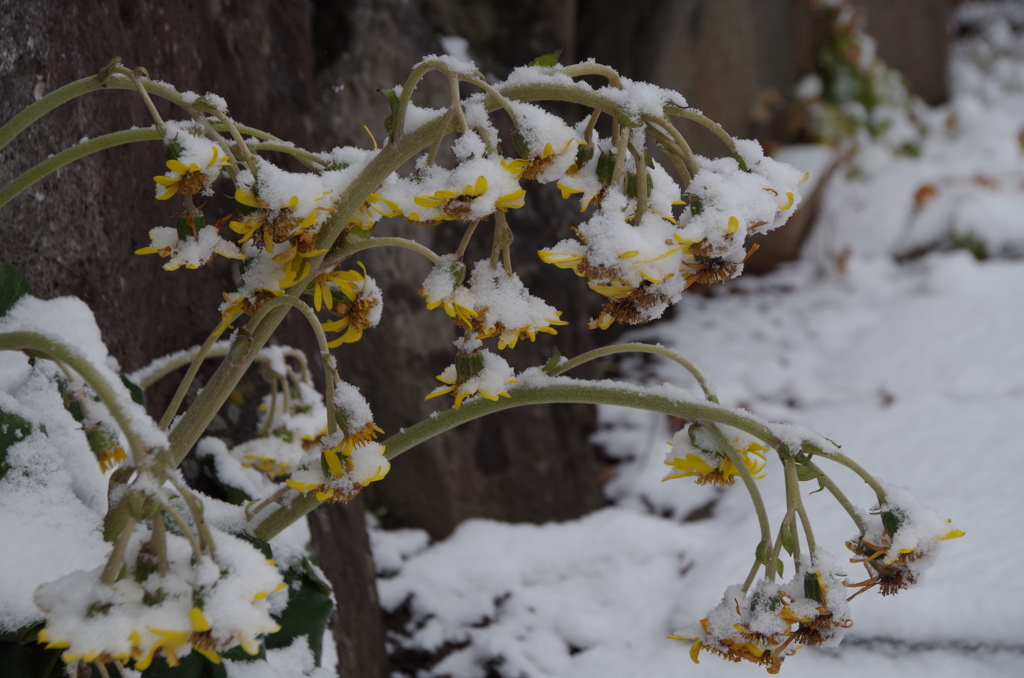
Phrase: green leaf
(761, 552)
(605, 168)
(812, 588)
(552, 363)
(892, 520)
(522, 147)
(547, 60)
(29, 661)
(584, 153)
(173, 150)
(309, 609)
(787, 539)
(806, 472)
(13, 286)
(136, 392)
(392, 98)
(193, 665)
(779, 566)
(19, 634)
(13, 429)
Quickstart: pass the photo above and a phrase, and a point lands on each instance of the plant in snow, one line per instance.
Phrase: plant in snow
(178, 571)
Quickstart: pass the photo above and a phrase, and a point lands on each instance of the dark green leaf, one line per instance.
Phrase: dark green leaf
(787, 539)
(522, 147)
(812, 588)
(553, 362)
(173, 150)
(779, 566)
(806, 472)
(891, 521)
(547, 60)
(13, 286)
(308, 611)
(761, 552)
(13, 429)
(193, 665)
(584, 153)
(629, 186)
(392, 98)
(138, 395)
(29, 661)
(605, 168)
(19, 634)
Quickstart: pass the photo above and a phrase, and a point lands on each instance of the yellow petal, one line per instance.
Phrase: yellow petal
(246, 198)
(198, 620)
(177, 166)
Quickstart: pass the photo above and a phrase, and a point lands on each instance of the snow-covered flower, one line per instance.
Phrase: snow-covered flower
(695, 454)
(204, 162)
(166, 603)
(189, 251)
(506, 309)
(476, 371)
(773, 621)
(360, 305)
(900, 543)
(341, 478)
(443, 287)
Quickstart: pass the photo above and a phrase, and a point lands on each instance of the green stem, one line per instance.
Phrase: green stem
(398, 122)
(310, 160)
(707, 122)
(157, 120)
(38, 109)
(641, 184)
(843, 460)
(751, 575)
(159, 541)
(161, 367)
(637, 347)
(674, 153)
(76, 152)
(792, 502)
(806, 522)
(456, 106)
(351, 247)
(243, 147)
(57, 351)
(620, 160)
(591, 123)
(687, 153)
(186, 382)
(494, 95)
(577, 70)
(325, 355)
(116, 559)
(185, 528)
(847, 505)
(748, 481)
(294, 505)
(466, 237)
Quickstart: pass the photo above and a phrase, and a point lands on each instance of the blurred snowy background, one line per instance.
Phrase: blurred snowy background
(899, 334)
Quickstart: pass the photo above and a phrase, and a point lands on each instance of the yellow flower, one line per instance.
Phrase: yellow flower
(716, 468)
(167, 641)
(572, 260)
(476, 373)
(188, 179)
(453, 204)
(360, 310)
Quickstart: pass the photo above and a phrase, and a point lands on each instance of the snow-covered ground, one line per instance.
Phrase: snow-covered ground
(915, 368)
